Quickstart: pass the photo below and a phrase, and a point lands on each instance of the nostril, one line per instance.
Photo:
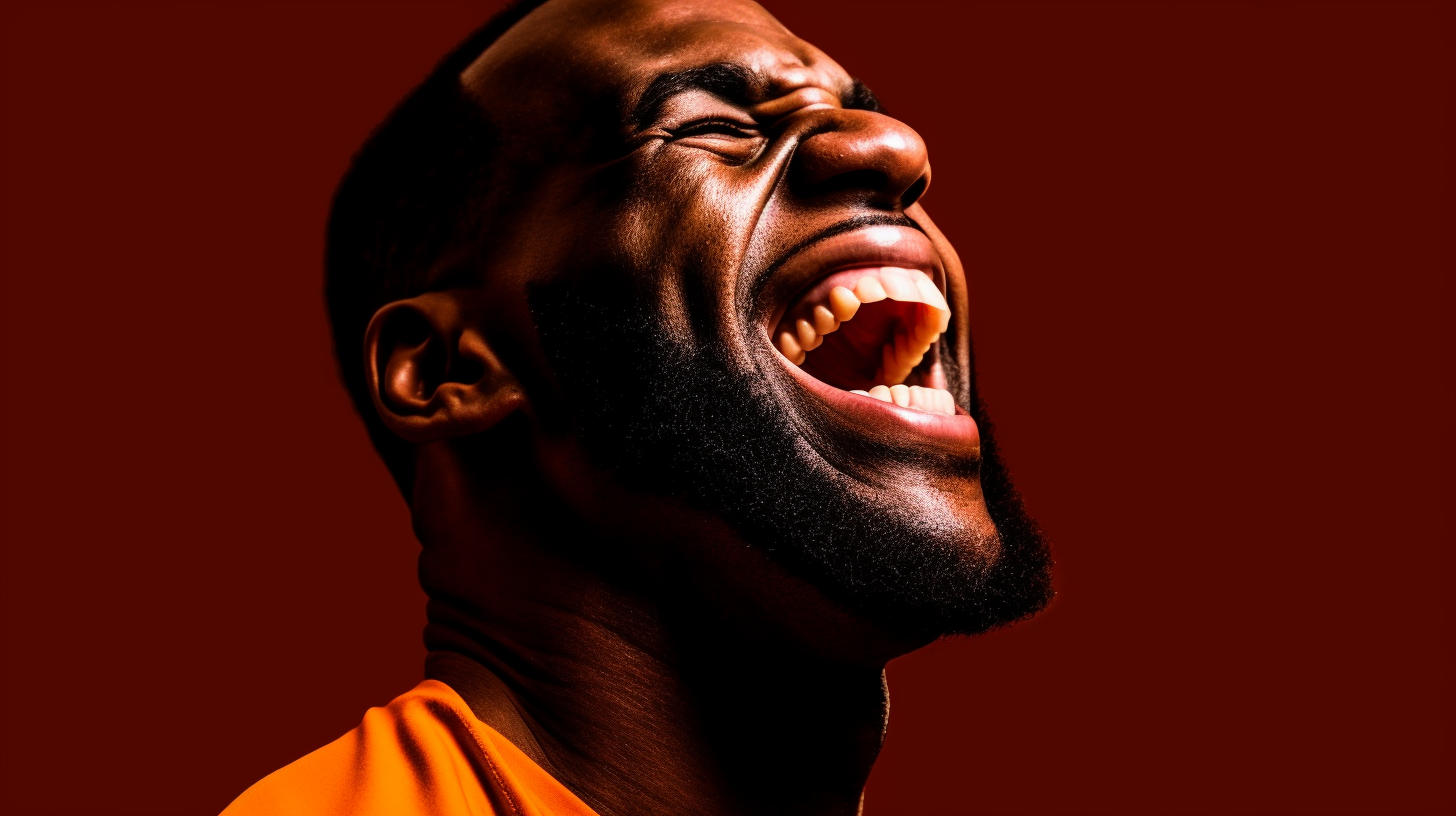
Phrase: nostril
(914, 193)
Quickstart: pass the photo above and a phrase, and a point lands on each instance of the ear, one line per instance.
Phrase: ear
(431, 373)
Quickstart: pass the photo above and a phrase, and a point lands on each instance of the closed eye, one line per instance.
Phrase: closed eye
(716, 127)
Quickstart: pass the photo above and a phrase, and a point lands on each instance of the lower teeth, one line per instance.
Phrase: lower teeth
(930, 400)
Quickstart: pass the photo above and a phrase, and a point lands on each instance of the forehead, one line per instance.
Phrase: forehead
(569, 49)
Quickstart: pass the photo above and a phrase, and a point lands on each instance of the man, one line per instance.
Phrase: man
(673, 370)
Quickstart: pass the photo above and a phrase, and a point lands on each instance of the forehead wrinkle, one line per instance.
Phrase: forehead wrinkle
(614, 48)
(784, 62)
(778, 61)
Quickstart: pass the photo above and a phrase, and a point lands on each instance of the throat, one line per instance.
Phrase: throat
(714, 726)
(643, 688)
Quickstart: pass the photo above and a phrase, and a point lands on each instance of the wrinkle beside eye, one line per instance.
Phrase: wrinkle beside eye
(734, 141)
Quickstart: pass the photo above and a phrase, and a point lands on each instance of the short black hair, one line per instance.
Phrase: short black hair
(403, 202)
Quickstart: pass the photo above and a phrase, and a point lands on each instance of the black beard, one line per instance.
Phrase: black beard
(679, 420)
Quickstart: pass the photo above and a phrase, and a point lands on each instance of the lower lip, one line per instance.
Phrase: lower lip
(955, 433)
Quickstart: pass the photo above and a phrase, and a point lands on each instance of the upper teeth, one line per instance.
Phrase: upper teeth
(804, 331)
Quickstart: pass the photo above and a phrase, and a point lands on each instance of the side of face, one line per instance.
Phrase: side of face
(708, 269)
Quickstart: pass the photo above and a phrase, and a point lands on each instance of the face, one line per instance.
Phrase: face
(707, 263)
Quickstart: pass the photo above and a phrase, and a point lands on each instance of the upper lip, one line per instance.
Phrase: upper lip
(873, 245)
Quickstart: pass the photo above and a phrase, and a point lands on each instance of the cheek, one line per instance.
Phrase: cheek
(694, 199)
(686, 229)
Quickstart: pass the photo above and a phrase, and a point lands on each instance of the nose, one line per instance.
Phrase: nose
(861, 154)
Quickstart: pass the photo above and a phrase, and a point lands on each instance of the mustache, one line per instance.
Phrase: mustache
(847, 225)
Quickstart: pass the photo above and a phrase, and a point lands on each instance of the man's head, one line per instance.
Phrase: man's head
(665, 243)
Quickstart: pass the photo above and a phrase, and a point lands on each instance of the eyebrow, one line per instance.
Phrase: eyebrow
(725, 79)
(729, 81)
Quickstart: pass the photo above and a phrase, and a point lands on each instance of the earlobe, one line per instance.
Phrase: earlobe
(431, 372)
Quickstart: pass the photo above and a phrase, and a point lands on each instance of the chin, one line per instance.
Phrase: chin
(887, 498)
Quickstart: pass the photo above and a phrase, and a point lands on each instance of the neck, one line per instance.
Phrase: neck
(636, 686)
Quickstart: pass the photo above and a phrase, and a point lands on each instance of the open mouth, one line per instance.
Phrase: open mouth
(864, 311)
(872, 331)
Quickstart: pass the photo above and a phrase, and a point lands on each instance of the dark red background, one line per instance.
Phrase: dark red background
(1211, 254)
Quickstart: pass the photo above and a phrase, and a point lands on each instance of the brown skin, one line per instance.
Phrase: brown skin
(606, 632)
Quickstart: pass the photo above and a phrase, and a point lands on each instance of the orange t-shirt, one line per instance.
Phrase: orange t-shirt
(424, 753)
